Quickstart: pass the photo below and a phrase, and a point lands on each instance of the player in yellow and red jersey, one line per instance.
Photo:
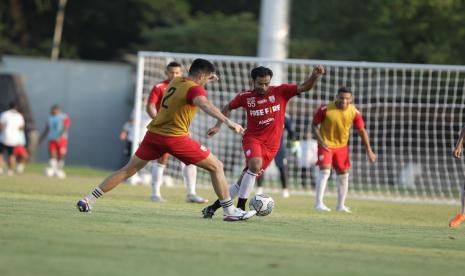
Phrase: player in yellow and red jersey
(189, 172)
(331, 125)
(265, 106)
(169, 133)
(457, 153)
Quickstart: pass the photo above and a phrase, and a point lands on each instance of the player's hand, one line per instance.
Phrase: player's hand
(237, 128)
(212, 131)
(371, 156)
(457, 152)
(318, 70)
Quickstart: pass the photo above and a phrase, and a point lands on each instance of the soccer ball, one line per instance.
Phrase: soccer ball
(263, 204)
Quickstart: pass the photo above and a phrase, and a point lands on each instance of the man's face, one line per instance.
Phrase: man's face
(55, 111)
(343, 100)
(261, 84)
(173, 72)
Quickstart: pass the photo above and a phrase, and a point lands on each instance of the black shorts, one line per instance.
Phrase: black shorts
(7, 149)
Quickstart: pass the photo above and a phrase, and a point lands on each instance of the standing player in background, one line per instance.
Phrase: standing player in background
(21, 154)
(169, 133)
(281, 158)
(265, 106)
(457, 153)
(331, 125)
(11, 126)
(189, 172)
(56, 130)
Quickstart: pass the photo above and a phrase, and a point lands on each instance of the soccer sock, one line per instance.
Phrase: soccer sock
(342, 188)
(216, 205)
(53, 163)
(283, 176)
(157, 178)
(234, 190)
(228, 206)
(94, 195)
(241, 203)
(260, 180)
(61, 164)
(321, 185)
(189, 173)
(247, 183)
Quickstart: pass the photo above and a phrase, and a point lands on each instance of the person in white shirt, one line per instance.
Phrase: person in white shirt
(307, 158)
(11, 126)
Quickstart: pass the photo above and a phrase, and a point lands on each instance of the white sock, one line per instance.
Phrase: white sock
(247, 183)
(189, 173)
(53, 163)
(321, 186)
(228, 206)
(61, 164)
(342, 188)
(94, 195)
(157, 178)
(233, 190)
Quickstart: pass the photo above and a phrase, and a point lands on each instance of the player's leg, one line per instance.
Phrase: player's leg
(342, 165)
(281, 163)
(460, 217)
(254, 169)
(11, 159)
(61, 154)
(113, 180)
(158, 168)
(260, 179)
(189, 174)
(325, 157)
(52, 161)
(215, 167)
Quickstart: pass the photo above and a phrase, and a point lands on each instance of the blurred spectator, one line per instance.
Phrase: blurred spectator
(11, 126)
(307, 157)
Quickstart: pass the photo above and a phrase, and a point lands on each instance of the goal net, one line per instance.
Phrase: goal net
(413, 115)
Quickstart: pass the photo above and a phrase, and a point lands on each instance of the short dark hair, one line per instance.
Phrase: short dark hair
(55, 106)
(12, 105)
(344, 90)
(261, 71)
(173, 64)
(201, 66)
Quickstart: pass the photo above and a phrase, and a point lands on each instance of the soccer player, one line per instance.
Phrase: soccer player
(457, 153)
(21, 154)
(265, 106)
(331, 124)
(189, 172)
(11, 126)
(169, 132)
(56, 130)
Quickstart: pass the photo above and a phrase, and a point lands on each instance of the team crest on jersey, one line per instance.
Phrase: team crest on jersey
(321, 157)
(248, 152)
(272, 99)
(203, 148)
(251, 102)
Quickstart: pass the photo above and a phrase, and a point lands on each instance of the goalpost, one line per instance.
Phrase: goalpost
(413, 114)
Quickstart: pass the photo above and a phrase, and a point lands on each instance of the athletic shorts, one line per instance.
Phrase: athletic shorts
(338, 158)
(7, 149)
(20, 151)
(59, 146)
(253, 148)
(183, 148)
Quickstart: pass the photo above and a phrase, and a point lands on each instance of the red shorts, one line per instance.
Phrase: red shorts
(253, 148)
(20, 151)
(338, 158)
(183, 148)
(59, 146)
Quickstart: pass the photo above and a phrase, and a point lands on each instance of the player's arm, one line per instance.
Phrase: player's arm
(317, 134)
(459, 146)
(308, 84)
(216, 128)
(151, 109)
(366, 141)
(203, 103)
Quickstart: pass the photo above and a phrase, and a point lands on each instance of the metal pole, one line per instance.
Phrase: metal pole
(58, 29)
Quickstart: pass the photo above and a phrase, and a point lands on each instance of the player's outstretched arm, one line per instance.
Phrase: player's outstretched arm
(216, 128)
(203, 103)
(366, 141)
(459, 146)
(308, 84)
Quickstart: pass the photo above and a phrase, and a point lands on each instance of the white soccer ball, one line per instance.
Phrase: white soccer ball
(263, 204)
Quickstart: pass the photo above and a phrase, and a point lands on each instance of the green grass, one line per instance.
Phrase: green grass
(41, 233)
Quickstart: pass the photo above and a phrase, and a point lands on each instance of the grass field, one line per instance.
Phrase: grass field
(41, 233)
